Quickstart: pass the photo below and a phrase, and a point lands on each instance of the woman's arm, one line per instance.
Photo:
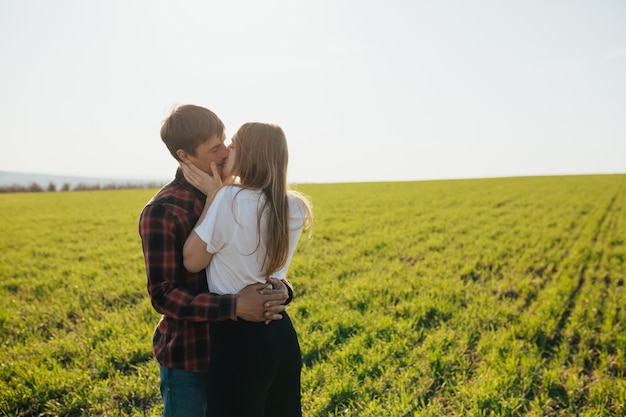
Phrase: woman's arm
(195, 255)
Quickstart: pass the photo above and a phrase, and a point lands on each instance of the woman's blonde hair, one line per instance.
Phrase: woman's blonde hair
(261, 162)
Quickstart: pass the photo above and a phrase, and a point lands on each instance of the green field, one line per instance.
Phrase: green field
(487, 297)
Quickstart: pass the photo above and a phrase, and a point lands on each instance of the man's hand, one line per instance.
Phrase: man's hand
(278, 288)
(258, 303)
(273, 307)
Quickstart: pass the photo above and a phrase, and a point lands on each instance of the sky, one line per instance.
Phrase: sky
(365, 90)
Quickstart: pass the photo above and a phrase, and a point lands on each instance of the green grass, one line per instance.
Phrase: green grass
(487, 297)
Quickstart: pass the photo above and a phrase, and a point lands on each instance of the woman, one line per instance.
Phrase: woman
(248, 233)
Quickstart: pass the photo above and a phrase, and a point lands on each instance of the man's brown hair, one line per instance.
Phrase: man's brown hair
(189, 126)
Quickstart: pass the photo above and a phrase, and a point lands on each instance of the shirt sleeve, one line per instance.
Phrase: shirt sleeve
(174, 291)
(219, 225)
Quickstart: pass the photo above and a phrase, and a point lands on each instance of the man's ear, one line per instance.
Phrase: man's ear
(182, 155)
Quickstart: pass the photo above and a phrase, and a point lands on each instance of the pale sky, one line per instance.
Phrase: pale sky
(365, 90)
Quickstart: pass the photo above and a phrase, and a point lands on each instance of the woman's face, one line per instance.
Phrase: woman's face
(229, 166)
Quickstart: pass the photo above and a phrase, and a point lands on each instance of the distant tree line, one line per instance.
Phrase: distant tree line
(52, 187)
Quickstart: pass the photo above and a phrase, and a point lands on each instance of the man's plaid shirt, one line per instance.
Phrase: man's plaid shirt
(181, 339)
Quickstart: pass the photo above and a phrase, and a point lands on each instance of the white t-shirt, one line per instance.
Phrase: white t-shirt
(230, 232)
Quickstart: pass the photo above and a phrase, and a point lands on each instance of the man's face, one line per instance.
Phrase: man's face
(212, 150)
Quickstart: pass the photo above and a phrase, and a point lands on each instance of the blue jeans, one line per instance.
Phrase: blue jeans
(184, 393)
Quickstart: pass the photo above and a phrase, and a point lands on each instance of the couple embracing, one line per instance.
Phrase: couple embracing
(217, 243)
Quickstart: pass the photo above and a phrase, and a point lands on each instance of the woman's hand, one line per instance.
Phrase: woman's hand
(200, 179)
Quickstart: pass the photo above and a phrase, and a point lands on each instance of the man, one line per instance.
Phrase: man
(181, 339)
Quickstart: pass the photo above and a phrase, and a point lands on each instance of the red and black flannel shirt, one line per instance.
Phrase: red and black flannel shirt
(181, 339)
